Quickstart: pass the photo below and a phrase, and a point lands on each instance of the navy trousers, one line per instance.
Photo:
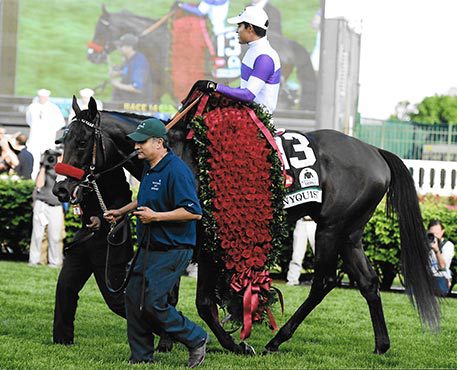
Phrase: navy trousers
(162, 272)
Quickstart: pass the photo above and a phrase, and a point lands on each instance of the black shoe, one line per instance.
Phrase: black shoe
(138, 362)
(197, 355)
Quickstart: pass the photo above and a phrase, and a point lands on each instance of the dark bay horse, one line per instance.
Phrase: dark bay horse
(354, 178)
(156, 47)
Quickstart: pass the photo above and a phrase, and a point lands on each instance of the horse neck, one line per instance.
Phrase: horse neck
(131, 23)
(116, 130)
(113, 183)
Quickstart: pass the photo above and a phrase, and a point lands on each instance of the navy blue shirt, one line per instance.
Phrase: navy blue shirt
(137, 72)
(168, 186)
(25, 166)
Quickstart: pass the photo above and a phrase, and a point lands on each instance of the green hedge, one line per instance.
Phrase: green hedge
(15, 213)
(16, 216)
(381, 237)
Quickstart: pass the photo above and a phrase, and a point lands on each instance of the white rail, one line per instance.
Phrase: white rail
(435, 177)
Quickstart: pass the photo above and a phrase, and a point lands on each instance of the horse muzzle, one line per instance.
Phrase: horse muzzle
(96, 57)
(68, 191)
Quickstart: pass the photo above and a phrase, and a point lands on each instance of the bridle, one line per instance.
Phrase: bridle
(91, 175)
(90, 181)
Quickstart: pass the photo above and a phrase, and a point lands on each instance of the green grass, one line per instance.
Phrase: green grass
(53, 37)
(337, 334)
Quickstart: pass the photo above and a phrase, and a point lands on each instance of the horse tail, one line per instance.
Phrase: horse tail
(415, 258)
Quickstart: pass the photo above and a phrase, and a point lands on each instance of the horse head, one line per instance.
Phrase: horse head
(86, 150)
(103, 41)
(109, 28)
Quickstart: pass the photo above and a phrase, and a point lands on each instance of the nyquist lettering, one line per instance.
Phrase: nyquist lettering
(304, 196)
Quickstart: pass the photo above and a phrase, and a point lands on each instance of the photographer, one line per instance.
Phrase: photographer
(47, 213)
(442, 251)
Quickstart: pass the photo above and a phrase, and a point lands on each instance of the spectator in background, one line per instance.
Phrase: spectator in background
(44, 119)
(8, 158)
(216, 10)
(304, 232)
(315, 54)
(441, 254)
(25, 158)
(135, 84)
(83, 102)
(47, 213)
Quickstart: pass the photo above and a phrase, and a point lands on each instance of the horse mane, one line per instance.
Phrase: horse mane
(129, 115)
(125, 12)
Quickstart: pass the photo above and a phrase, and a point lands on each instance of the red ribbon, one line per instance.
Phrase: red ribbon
(253, 282)
(268, 136)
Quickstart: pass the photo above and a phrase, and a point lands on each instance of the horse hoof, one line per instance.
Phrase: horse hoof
(381, 350)
(165, 345)
(268, 351)
(247, 349)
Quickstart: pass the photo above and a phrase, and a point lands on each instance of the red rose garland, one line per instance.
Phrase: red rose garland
(242, 206)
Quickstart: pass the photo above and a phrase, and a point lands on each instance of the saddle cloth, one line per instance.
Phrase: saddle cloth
(302, 168)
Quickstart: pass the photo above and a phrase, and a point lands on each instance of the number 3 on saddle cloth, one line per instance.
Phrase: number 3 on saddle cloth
(302, 168)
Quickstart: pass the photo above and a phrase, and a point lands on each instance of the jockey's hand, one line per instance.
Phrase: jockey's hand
(205, 86)
(112, 215)
(95, 223)
(146, 215)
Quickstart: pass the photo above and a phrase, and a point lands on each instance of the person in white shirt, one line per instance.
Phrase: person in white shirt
(83, 103)
(260, 68)
(44, 119)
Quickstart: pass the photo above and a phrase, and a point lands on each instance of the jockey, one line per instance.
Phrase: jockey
(216, 10)
(261, 67)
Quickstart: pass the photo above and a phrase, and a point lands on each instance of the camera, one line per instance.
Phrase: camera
(49, 158)
(431, 238)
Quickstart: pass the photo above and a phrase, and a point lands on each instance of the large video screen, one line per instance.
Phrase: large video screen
(66, 45)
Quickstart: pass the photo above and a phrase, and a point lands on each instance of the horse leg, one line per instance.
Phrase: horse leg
(207, 308)
(361, 271)
(324, 281)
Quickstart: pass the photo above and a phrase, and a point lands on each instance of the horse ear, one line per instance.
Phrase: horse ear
(92, 108)
(104, 11)
(75, 106)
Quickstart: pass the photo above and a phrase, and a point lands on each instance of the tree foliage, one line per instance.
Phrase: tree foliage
(436, 109)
